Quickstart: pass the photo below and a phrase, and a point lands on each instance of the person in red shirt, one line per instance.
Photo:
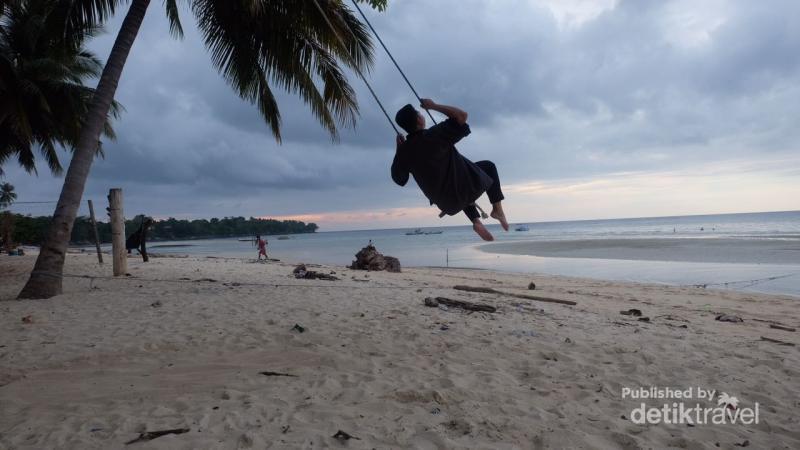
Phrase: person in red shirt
(262, 247)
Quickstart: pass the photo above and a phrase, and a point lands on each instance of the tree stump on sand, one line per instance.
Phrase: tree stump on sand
(368, 258)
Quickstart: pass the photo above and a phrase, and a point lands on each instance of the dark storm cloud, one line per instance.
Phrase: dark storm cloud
(637, 86)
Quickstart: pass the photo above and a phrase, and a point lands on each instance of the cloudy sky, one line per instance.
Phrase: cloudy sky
(590, 109)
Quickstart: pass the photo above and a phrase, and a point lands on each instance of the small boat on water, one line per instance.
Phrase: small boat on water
(283, 238)
(521, 228)
(419, 232)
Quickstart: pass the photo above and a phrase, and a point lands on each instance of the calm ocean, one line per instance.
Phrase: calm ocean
(457, 247)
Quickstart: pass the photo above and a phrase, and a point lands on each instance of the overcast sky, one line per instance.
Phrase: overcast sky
(590, 109)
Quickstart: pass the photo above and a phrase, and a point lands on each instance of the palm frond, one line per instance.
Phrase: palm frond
(50, 155)
(175, 27)
(43, 66)
(290, 46)
(77, 14)
(380, 5)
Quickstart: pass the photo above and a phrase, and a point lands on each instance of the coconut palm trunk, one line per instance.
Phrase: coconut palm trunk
(45, 280)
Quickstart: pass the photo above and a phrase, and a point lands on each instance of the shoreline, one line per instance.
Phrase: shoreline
(777, 279)
(741, 277)
(182, 342)
(702, 250)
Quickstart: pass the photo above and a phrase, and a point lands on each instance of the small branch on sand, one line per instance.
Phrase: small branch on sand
(434, 302)
(770, 321)
(486, 290)
(775, 341)
(276, 374)
(150, 435)
(781, 327)
(343, 436)
(671, 317)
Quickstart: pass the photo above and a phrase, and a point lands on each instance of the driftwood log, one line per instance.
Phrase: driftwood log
(487, 290)
(434, 302)
(779, 326)
(776, 341)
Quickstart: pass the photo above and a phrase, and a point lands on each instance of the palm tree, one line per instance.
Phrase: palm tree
(254, 44)
(43, 101)
(7, 195)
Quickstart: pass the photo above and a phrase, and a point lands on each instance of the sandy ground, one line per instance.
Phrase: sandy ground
(711, 250)
(180, 344)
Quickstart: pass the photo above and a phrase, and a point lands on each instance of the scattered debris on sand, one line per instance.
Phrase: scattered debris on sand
(302, 272)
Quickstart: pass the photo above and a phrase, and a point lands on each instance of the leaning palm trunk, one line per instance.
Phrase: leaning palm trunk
(45, 280)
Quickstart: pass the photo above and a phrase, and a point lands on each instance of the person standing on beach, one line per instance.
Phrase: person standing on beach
(449, 180)
(262, 247)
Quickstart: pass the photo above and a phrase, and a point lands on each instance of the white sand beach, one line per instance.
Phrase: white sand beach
(182, 341)
(713, 250)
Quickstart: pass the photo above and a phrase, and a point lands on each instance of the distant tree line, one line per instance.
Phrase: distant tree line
(31, 230)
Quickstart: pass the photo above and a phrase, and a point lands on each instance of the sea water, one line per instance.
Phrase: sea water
(458, 247)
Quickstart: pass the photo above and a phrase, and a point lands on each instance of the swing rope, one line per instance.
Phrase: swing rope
(363, 78)
(355, 66)
(391, 57)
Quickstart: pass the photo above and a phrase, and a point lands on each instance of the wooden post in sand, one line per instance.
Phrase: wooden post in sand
(96, 235)
(118, 252)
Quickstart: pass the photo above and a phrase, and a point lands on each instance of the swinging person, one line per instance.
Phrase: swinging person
(449, 180)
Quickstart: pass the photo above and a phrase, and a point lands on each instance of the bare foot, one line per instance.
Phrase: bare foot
(497, 213)
(482, 231)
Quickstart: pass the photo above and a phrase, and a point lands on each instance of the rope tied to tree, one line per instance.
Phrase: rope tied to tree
(355, 65)
(372, 91)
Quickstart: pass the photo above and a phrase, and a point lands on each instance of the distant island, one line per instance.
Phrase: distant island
(31, 230)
